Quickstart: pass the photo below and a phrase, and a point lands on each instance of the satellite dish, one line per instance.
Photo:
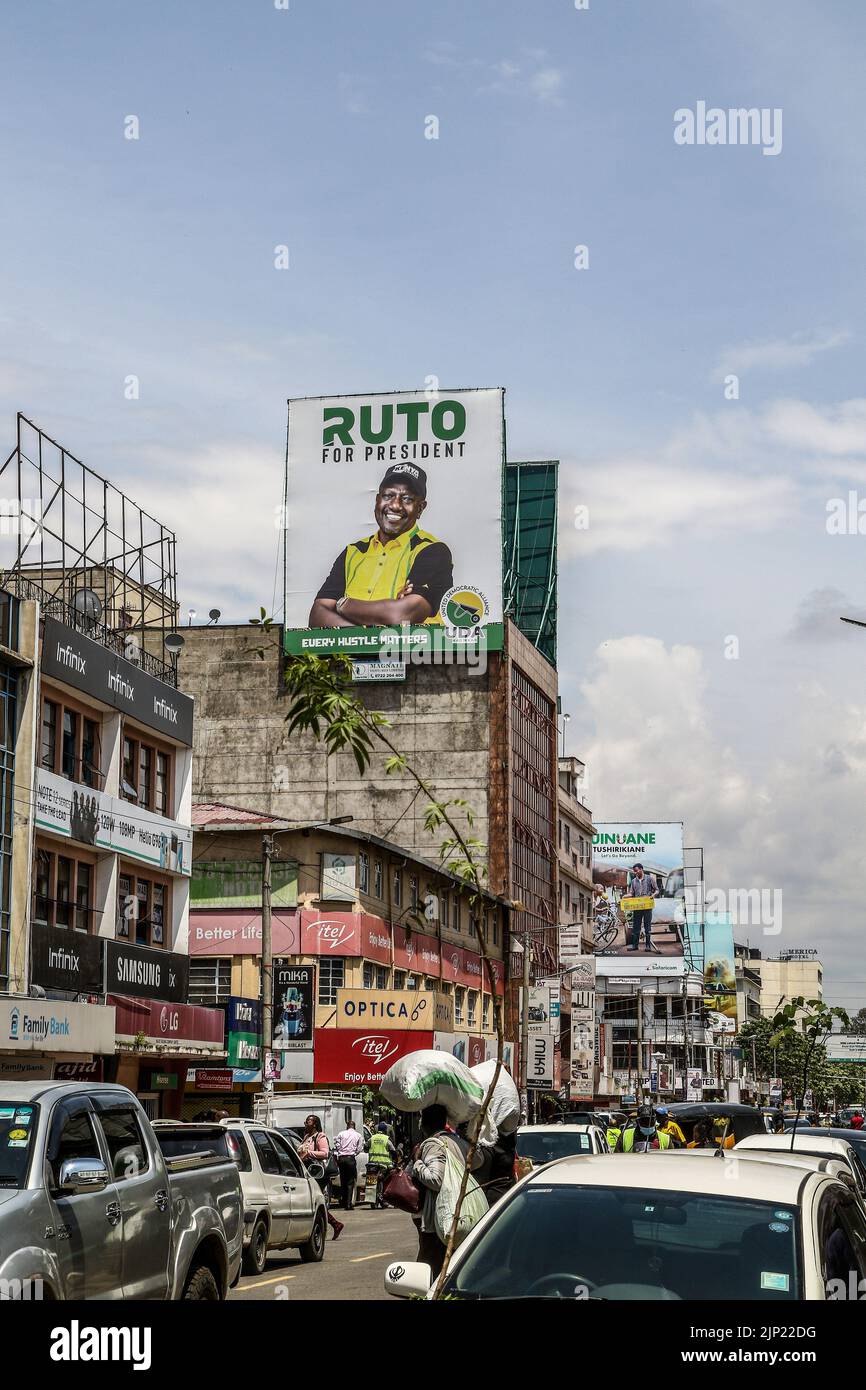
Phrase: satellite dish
(88, 603)
(173, 642)
(214, 615)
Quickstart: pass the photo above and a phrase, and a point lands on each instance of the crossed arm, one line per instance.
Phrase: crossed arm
(407, 607)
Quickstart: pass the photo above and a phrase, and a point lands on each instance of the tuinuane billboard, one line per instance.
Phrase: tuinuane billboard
(394, 522)
(639, 914)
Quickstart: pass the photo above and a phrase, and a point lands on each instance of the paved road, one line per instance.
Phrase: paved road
(353, 1265)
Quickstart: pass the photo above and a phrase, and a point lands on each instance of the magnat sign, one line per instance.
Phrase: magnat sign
(69, 656)
(144, 973)
(69, 960)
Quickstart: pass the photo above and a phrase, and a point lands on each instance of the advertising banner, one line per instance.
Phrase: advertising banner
(52, 1025)
(238, 883)
(203, 1029)
(243, 1028)
(845, 1047)
(295, 1066)
(64, 959)
(581, 1082)
(145, 973)
(76, 660)
(570, 945)
(415, 952)
(541, 1010)
(582, 977)
(639, 915)
(490, 1053)
(294, 1006)
(210, 1079)
(383, 555)
(91, 817)
(347, 1057)
(339, 876)
(223, 933)
(694, 1084)
(720, 981)
(541, 1054)
(345, 934)
(420, 1010)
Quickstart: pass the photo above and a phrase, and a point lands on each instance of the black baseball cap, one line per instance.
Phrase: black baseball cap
(411, 477)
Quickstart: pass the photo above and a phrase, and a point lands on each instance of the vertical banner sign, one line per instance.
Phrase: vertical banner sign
(582, 976)
(582, 1072)
(541, 1053)
(385, 558)
(720, 981)
(294, 1006)
(694, 1084)
(541, 1010)
(639, 908)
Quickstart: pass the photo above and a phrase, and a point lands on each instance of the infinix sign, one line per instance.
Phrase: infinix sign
(69, 656)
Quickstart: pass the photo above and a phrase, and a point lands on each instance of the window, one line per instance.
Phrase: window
(381, 977)
(413, 890)
(126, 1146)
(412, 981)
(397, 892)
(49, 734)
(147, 776)
(72, 1136)
(210, 981)
(377, 878)
(495, 927)
(267, 1154)
(63, 891)
(455, 912)
(660, 1006)
(364, 872)
(399, 979)
(459, 1000)
(472, 1008)
(376, 977)
(331, 978)
(70, 742)
(485, 1012)
(289, 1161)
(142, 909)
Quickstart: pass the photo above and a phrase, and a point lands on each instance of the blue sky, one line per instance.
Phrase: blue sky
(454, 257)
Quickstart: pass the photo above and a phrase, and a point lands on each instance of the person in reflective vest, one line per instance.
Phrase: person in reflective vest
(613, 1134)
(381, 1157)
(644, 1135)
(668, 1125)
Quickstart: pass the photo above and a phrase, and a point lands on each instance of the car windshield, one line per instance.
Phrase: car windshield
(545, 1145)
(17, 1130)
(632, 1243)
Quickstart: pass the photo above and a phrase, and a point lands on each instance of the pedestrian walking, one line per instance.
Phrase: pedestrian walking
(382, 1156)
(316, 1149)
(428, 1171)
(347, 1145)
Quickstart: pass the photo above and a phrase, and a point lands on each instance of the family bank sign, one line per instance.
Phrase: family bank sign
(31, 1025)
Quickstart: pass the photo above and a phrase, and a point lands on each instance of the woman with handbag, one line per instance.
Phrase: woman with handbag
(316, 1149)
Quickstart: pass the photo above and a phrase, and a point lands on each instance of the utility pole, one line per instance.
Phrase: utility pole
(524, 1031)
(267, 965)
(639, 1045)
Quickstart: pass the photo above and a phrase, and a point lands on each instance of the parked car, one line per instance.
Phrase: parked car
(855, 1137)
(819, 1145)
(92, 1206)
(665, 1227)
(537, 1144)
(283, 1204)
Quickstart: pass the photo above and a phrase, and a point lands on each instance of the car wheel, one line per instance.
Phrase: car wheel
(256, 1253)
(202, 1286)
(312, 1251)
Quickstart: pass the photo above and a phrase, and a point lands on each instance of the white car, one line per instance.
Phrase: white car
(818, 1145)
(660, 1227)
(283, 1204)
(537, 1144)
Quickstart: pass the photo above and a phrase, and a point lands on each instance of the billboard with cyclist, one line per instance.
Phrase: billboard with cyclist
(639, 913)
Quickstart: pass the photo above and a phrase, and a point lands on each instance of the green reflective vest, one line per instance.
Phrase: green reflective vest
(379, 1150)
(629, 1137)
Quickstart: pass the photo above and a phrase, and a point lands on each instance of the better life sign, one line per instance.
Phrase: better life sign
(418, 1010)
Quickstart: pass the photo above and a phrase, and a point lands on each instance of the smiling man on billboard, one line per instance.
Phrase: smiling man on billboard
(396, 575)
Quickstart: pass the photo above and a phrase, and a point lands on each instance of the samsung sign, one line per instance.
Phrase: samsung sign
(70, 657)
(144, 973)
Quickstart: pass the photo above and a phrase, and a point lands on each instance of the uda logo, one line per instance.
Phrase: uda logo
(14, 1023)
(464, 611)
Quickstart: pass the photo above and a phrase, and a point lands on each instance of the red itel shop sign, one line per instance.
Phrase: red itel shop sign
(347, 1058)
(345, 934)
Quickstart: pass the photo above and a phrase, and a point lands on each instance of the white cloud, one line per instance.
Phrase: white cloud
(777, 354)
(839, 429)
(546, 85)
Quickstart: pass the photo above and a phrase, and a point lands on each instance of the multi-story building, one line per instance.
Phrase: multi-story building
(384, 941)
(793, 974)
(574, 856)
(102, 852)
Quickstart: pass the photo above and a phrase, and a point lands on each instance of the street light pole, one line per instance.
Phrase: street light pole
(524, 1031)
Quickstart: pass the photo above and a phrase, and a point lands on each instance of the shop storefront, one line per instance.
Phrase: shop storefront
(156, 1042)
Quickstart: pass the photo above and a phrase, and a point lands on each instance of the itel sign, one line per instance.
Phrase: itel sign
(347, 1057)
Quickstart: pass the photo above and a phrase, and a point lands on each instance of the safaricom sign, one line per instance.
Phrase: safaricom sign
(417, 1010)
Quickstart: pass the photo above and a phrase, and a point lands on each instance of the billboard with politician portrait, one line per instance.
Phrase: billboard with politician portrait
(394, 522)
(639, 916)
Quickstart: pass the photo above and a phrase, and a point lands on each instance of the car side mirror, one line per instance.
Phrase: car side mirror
(83, 1175)
(408, 1280)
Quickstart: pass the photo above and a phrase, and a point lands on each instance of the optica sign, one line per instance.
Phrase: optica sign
(349, 1057)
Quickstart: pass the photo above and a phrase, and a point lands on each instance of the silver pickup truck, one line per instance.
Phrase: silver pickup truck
(91, 1208)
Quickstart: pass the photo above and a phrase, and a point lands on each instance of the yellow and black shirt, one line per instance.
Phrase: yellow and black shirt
(369, 570)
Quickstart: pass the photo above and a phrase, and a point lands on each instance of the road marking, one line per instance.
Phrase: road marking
(280, 1279)
(359, 1259)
